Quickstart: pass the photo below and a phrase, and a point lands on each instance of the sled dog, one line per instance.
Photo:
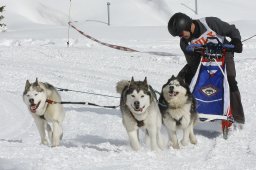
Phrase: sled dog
(139, 109)
(48, 117)
(178, 108)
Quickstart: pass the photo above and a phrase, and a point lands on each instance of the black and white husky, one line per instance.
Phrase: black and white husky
(140, 110)
(178, 109)
(48, 117)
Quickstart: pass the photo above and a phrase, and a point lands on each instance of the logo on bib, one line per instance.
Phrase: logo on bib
(209, 90)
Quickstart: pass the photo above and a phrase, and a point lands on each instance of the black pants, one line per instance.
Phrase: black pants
(188, 72)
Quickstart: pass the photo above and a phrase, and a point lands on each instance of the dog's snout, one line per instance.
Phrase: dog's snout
(31, 101)
(171, 88)
(137, 104)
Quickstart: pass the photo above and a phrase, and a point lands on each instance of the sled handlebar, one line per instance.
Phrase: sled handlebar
(210, 46)
(200, 47)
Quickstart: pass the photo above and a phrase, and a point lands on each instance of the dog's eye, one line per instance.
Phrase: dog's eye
(132, 95)
(36, 94)
(142, 96)
(177, 85)
(27, 95)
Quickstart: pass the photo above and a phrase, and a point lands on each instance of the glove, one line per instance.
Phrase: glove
(238, 46)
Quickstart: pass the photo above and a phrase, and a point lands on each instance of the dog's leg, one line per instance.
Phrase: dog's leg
(185, 139)
(57, 132)
(171, 129)
(41, 128)
(153, 141)
(174, 139)
(160, 141)
(134, 139)
(49, 131)
(192, 136)
(147, 139)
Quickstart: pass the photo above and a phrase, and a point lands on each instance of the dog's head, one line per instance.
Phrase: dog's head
(34, 96)
(138, 96)
(175, 88)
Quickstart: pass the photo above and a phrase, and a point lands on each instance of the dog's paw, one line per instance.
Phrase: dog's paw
(155, 149)
(136, 148)
(184, 142)
(176, 146)
(54, 144)
(193, 140)
(44, 142)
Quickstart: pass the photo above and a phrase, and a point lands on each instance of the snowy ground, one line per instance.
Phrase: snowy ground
(94, 138)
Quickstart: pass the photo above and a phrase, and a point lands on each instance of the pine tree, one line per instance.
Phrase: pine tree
(2, 25)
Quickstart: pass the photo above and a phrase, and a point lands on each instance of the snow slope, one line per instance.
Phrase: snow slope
(94, 138)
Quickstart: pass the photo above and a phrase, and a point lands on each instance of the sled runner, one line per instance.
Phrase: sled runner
(210, 85)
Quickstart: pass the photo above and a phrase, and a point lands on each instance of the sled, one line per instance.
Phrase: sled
(210, 85)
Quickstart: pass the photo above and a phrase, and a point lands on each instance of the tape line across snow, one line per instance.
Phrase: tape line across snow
(118, 47)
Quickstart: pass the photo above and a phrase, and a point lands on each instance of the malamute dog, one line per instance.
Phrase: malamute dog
(48, 117)
(178, 108)
(140, 110)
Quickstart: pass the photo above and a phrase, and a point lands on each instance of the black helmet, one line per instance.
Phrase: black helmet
(179, 22)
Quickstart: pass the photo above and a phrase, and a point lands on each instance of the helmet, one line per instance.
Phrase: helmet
(179, 22)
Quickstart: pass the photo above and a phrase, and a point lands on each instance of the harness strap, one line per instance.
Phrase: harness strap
(178, 122)
(140, 123)
(49, 102)
(42, 117)
(82, 103)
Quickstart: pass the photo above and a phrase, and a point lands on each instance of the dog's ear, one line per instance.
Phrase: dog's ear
(132, 80)
(36, 82)
(27, 84)
(170, 79)
(182, 79)
(168, 82)
(145, 81)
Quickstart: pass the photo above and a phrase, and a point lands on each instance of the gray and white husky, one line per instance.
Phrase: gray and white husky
(178, 108)
(140, 110)
(48, 117)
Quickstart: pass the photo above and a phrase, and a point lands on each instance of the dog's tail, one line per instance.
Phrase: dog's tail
(121, 85)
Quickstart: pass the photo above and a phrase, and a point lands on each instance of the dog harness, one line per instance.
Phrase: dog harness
(42, 117)
(140, 123)
(178, 122)
(49, 102)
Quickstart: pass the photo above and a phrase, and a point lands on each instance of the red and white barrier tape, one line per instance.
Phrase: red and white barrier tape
(100, 42)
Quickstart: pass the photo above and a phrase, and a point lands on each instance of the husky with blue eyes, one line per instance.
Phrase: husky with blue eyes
(140, 110)
(48, 116)
(178, 108)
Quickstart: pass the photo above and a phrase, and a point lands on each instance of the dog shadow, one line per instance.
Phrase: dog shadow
(101, 111)
(91, 141)
(12, 140)
(161, 53)
(210, 130)
(208, 134)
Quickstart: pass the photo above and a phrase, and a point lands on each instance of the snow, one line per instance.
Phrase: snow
(94, 138)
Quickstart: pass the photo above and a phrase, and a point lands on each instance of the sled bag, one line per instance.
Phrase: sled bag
(210, 88)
